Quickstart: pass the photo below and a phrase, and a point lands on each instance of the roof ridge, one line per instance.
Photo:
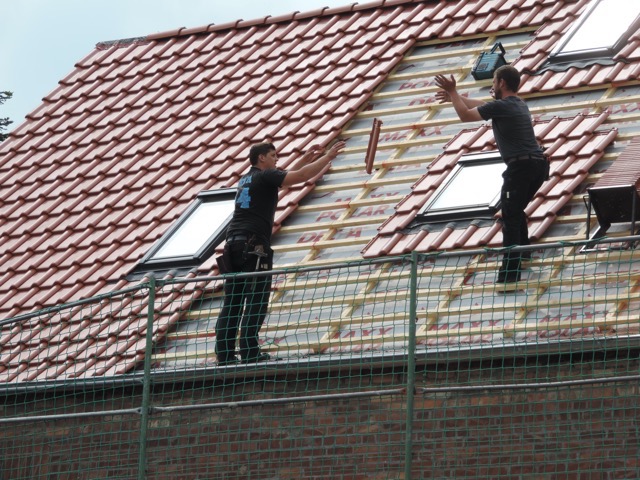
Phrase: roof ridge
(125, 42)
(240, 23)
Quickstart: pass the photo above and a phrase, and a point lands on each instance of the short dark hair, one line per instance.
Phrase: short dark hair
(510, 75)
(259, 149)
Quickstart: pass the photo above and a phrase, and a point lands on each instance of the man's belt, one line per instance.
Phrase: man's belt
(246, 236)
(237, 238)
(529, 156)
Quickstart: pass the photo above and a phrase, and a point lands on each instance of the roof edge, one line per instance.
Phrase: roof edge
(125, 42)
(240, 23)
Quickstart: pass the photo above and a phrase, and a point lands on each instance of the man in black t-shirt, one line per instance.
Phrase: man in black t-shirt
(527, 167)
(248, 247)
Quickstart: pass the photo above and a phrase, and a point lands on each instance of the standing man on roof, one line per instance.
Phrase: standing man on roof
(527, 167)
(248, 247)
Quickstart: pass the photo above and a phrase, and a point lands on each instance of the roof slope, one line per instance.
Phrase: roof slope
(114, 155)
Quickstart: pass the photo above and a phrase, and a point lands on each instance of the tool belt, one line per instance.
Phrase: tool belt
(263, 254)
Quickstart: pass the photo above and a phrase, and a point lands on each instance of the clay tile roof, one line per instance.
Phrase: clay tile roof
(574, 145)
(135, 125)
(121, 147)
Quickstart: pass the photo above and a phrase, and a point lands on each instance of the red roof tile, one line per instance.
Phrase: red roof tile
(625, 170)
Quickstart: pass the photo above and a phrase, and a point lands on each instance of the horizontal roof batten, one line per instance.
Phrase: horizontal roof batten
(590, 104)
(324, 261)
(433, 89)
(392, 162)
(569, 219)
(385, 164)
(321, 244)
(432, 330)
(520, 328)
(448, 54)
(404, 126)
(423, 74)
(480, 36)
(382, 112)
(356, 203)
(612, 120)
(403, 144)
(336, 225)
(617, 118)
(378, 182)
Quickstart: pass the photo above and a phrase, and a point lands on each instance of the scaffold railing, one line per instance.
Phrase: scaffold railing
(410, 367)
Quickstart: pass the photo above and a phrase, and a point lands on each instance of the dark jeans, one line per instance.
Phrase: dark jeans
(522, 179)
(245, 304)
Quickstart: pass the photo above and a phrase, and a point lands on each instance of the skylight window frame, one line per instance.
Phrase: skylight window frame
(150, 263)
(558, 56)
(471, 210)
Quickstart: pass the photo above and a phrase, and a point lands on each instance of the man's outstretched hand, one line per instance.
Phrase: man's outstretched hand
(311, 155)
(466, 108)
(316, 151)
(442, 96)
(316, 161)
(336, 149)
(446, 84)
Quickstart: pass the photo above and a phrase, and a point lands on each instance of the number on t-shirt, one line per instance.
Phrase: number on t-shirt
(244, 199)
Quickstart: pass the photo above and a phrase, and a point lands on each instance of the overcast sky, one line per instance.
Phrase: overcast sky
(41, 40)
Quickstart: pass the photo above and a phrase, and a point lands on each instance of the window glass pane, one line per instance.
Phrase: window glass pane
(196, 230)
(473, 185)
(608, 21)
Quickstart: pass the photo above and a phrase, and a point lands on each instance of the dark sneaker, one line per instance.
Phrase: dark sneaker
(263, 357)
(227, 362)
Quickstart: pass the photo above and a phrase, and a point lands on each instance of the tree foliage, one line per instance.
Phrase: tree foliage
(4, 122)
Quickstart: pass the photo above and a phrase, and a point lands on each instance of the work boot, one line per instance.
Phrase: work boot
(262, 357)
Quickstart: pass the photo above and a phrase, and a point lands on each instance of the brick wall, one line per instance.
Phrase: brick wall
(580, 432)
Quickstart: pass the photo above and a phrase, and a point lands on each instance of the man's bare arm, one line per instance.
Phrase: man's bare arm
(467, 113)
(443, 97)
(316, 166)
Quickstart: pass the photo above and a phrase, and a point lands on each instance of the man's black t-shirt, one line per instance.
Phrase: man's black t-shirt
(256, 203)
(512, 127)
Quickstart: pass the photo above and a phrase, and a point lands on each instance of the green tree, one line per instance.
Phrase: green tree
(4, 122)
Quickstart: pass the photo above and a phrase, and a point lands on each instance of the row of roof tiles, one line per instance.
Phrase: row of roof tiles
(625, 170)
(531, 11)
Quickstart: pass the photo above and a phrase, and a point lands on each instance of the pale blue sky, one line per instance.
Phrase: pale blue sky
(43, 39)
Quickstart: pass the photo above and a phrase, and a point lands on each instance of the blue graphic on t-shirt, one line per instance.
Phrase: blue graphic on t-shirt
(243, 200)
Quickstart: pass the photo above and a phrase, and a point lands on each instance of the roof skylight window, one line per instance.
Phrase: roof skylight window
(601, 31)
(471, 190)
(195, 235)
